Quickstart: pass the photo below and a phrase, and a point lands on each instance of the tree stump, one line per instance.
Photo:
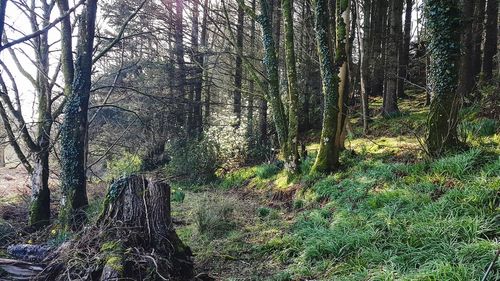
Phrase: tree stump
(133, 239)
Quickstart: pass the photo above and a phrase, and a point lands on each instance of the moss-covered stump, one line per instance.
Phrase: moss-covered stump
(133, 239)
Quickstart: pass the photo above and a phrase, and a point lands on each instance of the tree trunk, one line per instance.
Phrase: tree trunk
(197, 123)
(377, 41)
(74, 127)
(263, 141)
(443, 21)
(180, 73)
(405, 51)
(466, 77)
(342, 58)
(39, 212)
(133, 238)
(292, 163)
(238, 74)
(490, 42)
(363, 61)
(390, 103)
(271, 66)
(2, 156)
(477, 36)
(327, 159)
(203, 116)
(251, 89)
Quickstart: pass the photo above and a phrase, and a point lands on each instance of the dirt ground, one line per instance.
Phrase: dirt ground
(13, 182)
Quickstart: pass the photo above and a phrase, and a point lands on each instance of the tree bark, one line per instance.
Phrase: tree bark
(477, 36)
(133, 238)
(466, 77)
(39, 213)
(292, 163)
(74, 127)
(271, 65)
(490, 42)
(180, 72)
(390, 103)
(376, 49)
(443, 23)
(198, 58)
(251, 89)
(405, 51)
(238, 71)
(333, 74)
(2, 156)
(363, 59)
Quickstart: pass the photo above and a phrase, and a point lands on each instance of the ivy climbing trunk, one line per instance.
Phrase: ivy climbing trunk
(342, 58)
(327, 159)
(443, 24)
(292, 162)
(74, 127)
(271, 65)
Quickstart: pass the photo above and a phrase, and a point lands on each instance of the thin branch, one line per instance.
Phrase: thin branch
(41, 31)
(120, 33)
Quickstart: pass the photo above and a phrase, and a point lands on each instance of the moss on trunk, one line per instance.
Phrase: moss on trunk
(292, 162)
(443, 23)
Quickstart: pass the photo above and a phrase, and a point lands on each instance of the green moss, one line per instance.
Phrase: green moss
(116, 263)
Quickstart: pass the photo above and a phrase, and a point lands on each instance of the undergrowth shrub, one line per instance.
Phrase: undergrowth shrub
(237, 178)
(458, 165)
(194, 162)
(126, 165)
(213, 216)
(266, 171)
(7, 233)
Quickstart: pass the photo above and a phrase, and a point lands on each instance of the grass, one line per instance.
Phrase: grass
(390, 213)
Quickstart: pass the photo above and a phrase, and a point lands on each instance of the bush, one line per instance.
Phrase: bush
(195, 161)
(478, 128)
(213, 216)
(126, 165)
(266, 171)
(7, 233)
(263, 212)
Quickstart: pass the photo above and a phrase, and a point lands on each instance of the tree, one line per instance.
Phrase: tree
(34, 146)
(443, 24)
(376, 47)
(490, 41)
(271, 65)
(333, 75)
(390, 103)
(364, 54)
(477, 36)
(466, 77)
(77, 81)
(404, 55)
(238, 75)
(293, 95)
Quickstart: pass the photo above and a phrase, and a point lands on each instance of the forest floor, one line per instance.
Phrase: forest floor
(391, 213)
